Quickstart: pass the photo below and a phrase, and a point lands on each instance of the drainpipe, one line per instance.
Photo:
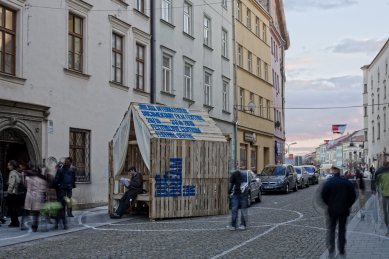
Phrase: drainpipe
(235, 85)
(152, 54)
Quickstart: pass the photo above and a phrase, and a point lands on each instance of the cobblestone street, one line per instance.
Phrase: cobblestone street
(282, 226)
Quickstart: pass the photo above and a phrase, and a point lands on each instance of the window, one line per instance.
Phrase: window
(188, 81)
(378, 75)
(241, 99)
(75, 41)
(384, 89)
(384, 119)
(253, 159)
(240, 55)
(259, 73)
(268, 109)
(207, 89)
(373, 132)
(365, 111)
(260, 106)
(249, 61)
(257, 26)
(7, 40)
(79, 151)
(224, 4)
(140, 67)
(365, 88)
(166, 10)
(378, 101)
(372, 106)
(239, 10)
(166, 73)
(252, 101)
(264, 34)
(266, 72)
(187, 18)
(117, 58)
(371, 82)
(224, 43)
(207, 31)
(243, 156)
(140, 5)
(248, 22)
(226, 95)
(378, 128)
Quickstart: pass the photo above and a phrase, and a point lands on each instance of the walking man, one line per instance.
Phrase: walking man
(339, 195)
(238, 200)
(382, 184)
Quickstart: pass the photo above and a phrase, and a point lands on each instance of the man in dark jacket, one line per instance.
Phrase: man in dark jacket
(238, 200)
(339, 195)
(65, 181)
(135, 187)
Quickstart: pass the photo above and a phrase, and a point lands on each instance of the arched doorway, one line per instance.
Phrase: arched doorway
(15, 145)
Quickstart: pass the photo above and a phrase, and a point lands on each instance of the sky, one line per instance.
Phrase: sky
(329, 42)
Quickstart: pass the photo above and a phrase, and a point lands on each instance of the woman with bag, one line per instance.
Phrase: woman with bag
(13, 199)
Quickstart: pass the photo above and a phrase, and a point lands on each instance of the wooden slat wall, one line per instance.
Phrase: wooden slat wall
(204, 165)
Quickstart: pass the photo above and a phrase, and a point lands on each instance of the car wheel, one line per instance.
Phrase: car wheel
(296, 187)
(249, 200)
(317, 180)
(307, 184)
(287, 188)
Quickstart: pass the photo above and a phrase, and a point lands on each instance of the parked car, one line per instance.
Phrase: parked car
(313, 174)
(279, 178)
(302, 176)
(251, 184)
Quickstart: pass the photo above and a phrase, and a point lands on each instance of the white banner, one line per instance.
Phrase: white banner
(120, 143)
(142, 138)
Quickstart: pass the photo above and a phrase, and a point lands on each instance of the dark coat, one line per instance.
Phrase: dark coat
(235, 182)
(339, 195)
(60, 178)
(136, 184)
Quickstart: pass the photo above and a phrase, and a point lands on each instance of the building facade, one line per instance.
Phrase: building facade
(68, 72)
(376, 108)
(254, 93)
(193, 65)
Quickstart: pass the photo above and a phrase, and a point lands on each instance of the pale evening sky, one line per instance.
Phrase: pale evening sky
(330, 41)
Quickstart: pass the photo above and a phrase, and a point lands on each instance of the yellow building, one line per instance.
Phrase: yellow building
(254, 92)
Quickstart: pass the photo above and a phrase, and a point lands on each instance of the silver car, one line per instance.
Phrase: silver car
(302, 176)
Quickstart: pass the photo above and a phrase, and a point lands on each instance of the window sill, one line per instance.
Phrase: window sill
(141, 92)
(168, 23)
(209, 107)
(76, 74)
(188, 100)
(167, 94)
(207, 47)
(189, 36)
(121, 3)
(12, 79)
(226, 112)
(119, 86)
(225, 58)
(141, 14)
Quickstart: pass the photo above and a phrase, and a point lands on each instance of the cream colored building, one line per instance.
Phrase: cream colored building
(254, 93)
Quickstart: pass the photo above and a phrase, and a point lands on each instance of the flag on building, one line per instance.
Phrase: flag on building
(338, 128)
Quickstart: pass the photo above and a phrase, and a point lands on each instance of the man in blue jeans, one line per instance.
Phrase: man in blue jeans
(238, 200)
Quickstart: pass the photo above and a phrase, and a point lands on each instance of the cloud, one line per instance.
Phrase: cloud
(309, 127)
(348, 46)
(303, 5)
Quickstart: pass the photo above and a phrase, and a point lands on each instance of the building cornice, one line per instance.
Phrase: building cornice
(79, 5)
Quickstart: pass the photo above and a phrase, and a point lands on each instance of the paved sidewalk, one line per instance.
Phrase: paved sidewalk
(82, 220)
(366, 238)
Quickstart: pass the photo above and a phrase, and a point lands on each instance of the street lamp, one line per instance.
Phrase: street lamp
(288, 145)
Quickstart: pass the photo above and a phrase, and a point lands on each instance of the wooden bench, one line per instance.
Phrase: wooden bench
(139, 197)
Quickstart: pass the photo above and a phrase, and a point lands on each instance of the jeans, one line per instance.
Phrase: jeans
(125, 202)
(239, 201)
(333, 220)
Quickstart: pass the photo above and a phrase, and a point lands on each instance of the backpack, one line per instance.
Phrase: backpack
(21, 189)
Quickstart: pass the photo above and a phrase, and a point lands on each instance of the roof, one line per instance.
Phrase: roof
(177, 123)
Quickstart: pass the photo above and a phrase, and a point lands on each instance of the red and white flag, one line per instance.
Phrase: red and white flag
(338, 128)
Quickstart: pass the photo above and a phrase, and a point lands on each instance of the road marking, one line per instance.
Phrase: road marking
(262, 234)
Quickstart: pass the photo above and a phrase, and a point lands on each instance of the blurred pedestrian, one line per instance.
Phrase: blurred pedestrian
(36, 193)
(65, 180)
(51, 194)
(134, 186)
(361, 192)
(372, 171)
(382, 185)
(338, 195)
(2, 219)
(238, 200)
(13, 199)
